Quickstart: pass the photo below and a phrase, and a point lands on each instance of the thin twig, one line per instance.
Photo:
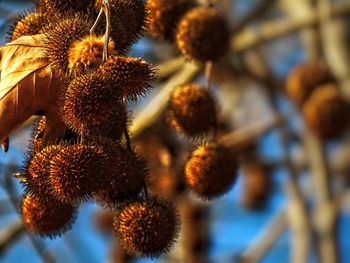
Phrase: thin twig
(271, 30)
(265, 240)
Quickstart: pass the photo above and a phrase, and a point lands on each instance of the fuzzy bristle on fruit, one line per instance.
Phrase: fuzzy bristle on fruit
(133, 76)
(192, 111)
(27, 24)
(46, 216)
(148, 228)
(326, 112)
(60, 37)
(37, 170)
(128, 16)
(93, 105)
(305, 78)
(37, 134)
(54, 8)
(163, 16)
(77, 171)
(129, 177)
(86, 54)
(211, 170)
(203, 35)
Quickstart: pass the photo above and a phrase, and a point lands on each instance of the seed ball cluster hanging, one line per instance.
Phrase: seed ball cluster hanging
(94, 159)
(313, 88)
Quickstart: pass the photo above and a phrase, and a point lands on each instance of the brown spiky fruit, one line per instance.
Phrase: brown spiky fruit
(203, 35)
(326, 112)
(211, 170)
(37, 170)
(56, 8)
(60, 37)
(92, 105)
(86, 54)
(27, 24)
(164, 15)
(133, 76)
(148, 228)
(191, 110)
(77, 171)
(127, 16)
(256, 184)
(45, 216)
(128, 180)
(305, 78)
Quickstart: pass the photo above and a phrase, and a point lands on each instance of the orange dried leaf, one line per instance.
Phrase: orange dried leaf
(27, 86)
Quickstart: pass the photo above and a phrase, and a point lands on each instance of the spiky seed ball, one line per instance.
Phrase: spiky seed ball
(86, 54)
(211, 170)
(163, 16)
(37, 170)
(27, 24)
(60, 37)
(203, 35)
(92, 105)
(305, 78)
(129, 176)
(77, 171)
(133, 76)
(256, 184)
(326, 112)
(55, 8)
(129, 14)
(192, 110)
(45, 216)
(148, 228)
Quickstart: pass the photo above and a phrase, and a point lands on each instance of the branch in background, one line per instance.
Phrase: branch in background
(11, 234)
(265, 240)
(268, 31)
(261, 8)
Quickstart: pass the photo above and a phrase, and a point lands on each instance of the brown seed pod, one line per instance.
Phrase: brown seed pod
(133, 76)
(27, 24)
(104, 220)
(77, 171)
(55, 8)
(211, 170)
(129, 177)
(305, 78)
(192, 110)
(256, 184)
(60, 37)
(92, 105)
(128, 15)
(37, 170)
(86, 54)
(203, 35)
(163, 16)
(47, 217)
(148, 228)
(326, 112)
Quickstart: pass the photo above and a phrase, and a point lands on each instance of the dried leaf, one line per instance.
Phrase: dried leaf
(28, 86)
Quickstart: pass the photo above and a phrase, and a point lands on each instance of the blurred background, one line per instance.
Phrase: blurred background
(272, 214)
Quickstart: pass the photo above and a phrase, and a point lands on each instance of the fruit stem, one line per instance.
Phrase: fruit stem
(208, 73)
(96, 21)
(106, 10)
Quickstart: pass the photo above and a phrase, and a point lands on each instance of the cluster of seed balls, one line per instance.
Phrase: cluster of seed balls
(93, 160)
(200, 32)
(313, 88)
(202, 35)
